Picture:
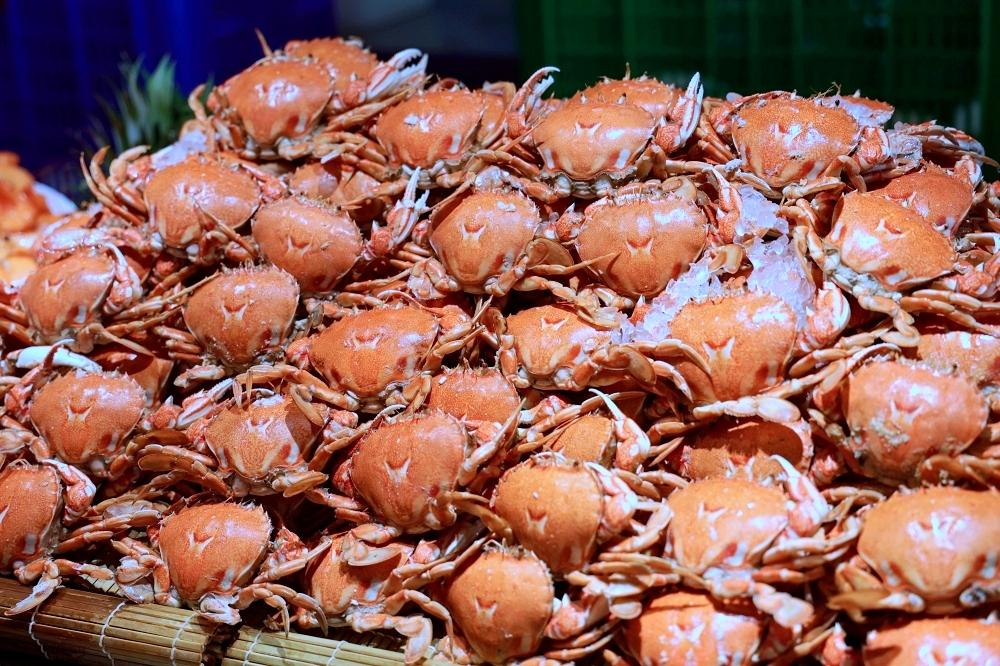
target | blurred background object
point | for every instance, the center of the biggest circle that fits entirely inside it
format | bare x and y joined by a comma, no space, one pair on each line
58,56
929,58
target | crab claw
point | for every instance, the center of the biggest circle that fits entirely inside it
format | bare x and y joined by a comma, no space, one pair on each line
683,117
688,108
634,442
32,357
400,69
521,106
810,506
399,221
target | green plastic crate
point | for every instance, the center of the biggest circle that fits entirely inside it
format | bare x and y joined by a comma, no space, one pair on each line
930,59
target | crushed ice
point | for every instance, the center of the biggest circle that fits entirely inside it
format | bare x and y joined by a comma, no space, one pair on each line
776,271
191,142
757,215
697,283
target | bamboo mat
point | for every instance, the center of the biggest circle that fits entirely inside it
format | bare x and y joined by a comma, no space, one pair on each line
94,629
255,647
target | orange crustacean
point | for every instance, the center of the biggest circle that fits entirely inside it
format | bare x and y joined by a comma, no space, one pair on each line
290,104
373,355
530,498
737,340
39,503
368,596
736,538
938,639
925,551
587,147
361,82
435,134
320,244
71,297
797,147
239,558
639,238
410,470
517,591
260,443
84,418
879,249
906,420
229,322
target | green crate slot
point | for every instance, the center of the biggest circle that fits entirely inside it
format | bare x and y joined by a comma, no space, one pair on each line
930,59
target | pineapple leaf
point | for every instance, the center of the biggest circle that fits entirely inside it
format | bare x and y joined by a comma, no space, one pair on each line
145,108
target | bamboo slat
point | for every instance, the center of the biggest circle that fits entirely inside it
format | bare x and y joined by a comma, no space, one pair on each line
97,629
257,647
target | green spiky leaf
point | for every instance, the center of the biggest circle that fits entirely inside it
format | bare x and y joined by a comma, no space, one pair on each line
145,108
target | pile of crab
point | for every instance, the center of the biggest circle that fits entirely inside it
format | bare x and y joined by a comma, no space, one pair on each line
640,375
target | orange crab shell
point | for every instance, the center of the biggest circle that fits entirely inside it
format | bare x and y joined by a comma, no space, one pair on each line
337,585
401,467
280,98
590,438
184,198
532,498
315,244
586,140
867,111
551,340
366,352
935,542
346,59
270,434
747,340
881,238
744,447
67,294
719,521
692,628
900,414
942,200
431,127
30,504
502,601
151,372
86,417
213,548
482,235
480,395
935,641
656,98
654,240
239,316
340,184
973,354
786,139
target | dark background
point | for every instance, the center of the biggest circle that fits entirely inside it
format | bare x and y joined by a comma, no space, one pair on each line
931,58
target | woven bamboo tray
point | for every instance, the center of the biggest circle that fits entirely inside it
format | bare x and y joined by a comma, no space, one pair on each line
94,629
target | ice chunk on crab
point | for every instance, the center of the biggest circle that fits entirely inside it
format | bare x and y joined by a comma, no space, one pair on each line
191,142
697,283
757,215
776,270
743,336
